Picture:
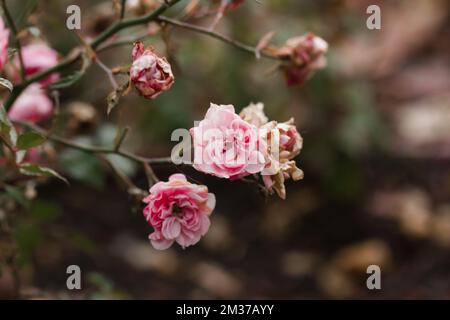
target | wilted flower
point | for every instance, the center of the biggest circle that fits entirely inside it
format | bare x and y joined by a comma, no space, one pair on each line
284,143
150,74
227,146
254,114
178,211
32,105
38,57
4,40
305,54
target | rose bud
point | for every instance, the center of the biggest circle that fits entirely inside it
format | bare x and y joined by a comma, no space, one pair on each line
150,74
4,38
37,58
304,55
32,105
178,211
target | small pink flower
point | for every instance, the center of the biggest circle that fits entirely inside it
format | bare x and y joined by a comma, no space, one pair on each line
178,211
306,55
38,57
227,146
32,105
150,74
4,40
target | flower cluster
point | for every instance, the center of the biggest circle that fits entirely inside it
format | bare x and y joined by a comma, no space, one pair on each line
150,74
230,146
233,146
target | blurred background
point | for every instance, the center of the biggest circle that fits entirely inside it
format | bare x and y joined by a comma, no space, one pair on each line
376,157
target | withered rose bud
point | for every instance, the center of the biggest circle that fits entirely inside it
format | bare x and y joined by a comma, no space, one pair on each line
287,170
254,114
150,74
305,54
284,144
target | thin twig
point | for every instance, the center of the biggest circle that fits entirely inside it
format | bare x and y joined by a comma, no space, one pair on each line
13,28
109,73
123,4
94,149
216,35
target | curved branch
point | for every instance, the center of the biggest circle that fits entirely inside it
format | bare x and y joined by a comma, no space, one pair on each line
221,37
94,149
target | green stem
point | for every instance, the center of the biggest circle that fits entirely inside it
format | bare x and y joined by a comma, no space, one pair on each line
13,28
94,149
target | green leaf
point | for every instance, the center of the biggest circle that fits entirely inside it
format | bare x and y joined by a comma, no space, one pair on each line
37,171
29,140
7,130
6,83
113,98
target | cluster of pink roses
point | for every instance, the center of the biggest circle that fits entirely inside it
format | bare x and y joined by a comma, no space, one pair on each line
232,146
226,145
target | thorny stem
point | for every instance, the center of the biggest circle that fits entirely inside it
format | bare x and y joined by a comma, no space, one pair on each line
209,32
13,28
95,149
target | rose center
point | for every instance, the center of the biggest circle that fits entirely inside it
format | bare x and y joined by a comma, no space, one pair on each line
177,211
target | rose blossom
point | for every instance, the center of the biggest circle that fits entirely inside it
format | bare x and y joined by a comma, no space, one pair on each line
227,146
38,57
32,105
306,54
4,39
150,74
178,211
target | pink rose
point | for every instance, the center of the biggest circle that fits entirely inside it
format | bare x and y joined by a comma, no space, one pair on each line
306,54
32,105
150,74
227,146
4,39
178,211
37,58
